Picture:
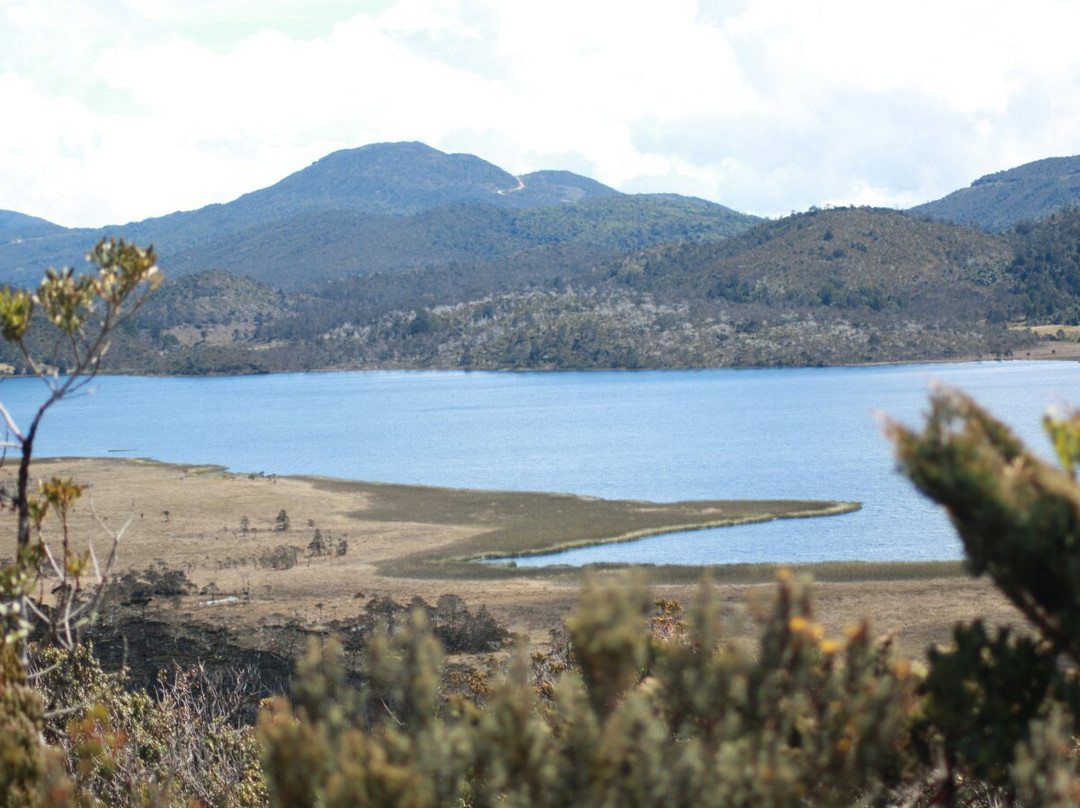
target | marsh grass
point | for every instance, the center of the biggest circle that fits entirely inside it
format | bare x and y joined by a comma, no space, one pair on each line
687,575
516,524
825,572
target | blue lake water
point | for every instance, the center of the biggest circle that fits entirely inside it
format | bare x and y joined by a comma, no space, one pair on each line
656,435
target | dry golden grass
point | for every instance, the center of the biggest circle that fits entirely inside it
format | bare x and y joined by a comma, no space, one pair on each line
406,540
1065,332
1056,342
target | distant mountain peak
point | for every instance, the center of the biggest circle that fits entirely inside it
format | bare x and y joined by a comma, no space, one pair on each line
396,204
394,178
563,187
1047,168
15,225
394,146
1003,199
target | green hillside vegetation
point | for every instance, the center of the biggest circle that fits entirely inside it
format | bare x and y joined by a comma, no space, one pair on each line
317,248
1004,199
14,226
621,329
1044,275
305,250
389,207
623,223
854,258
824,287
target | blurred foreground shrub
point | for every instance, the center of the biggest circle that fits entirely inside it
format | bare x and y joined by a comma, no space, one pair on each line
691,720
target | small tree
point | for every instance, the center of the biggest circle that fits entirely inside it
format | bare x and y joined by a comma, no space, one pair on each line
318,546
281,521
84,311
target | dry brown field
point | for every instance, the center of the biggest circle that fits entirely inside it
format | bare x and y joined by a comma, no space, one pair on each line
405,541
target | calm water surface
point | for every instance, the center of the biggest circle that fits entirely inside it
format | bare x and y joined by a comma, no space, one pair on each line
656,435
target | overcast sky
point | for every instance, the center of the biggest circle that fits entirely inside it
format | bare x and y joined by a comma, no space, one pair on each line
117,110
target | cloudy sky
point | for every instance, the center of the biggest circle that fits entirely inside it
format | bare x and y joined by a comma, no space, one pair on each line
117,110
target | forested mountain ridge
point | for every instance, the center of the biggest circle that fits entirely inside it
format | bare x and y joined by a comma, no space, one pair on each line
845,258
474,267
1004,199
834,286
381,207
15,226
1044,273
319,247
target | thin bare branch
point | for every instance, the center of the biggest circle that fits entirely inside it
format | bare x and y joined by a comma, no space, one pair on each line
10,426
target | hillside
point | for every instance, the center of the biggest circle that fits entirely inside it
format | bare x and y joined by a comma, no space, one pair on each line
315,248
390,206
825,287
15,226
397,255
543,188
852,258
1044,274
1002,200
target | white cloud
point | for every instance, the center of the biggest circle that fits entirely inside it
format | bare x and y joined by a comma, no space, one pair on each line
132,108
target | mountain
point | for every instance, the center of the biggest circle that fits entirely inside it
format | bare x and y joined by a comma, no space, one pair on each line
397,255
383,178
845,258
14,226
542,188
1002,200
310,249
398,179
825,287
1044,274
388,207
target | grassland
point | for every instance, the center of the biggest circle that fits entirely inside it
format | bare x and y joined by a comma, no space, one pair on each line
1056,342
223,530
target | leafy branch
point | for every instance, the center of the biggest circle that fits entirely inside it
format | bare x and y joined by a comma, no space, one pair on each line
84,312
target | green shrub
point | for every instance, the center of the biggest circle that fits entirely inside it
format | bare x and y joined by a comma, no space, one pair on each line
993,702
633,720
22,757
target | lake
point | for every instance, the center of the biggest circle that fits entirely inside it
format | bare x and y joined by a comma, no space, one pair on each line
653,435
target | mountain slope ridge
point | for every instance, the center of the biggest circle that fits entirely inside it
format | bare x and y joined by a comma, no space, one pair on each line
1004,199
389,180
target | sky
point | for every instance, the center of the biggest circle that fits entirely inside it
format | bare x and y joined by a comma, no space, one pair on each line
118,110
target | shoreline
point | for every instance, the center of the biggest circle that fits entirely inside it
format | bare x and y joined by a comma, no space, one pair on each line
1070,353
498,524
221,530
833,509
